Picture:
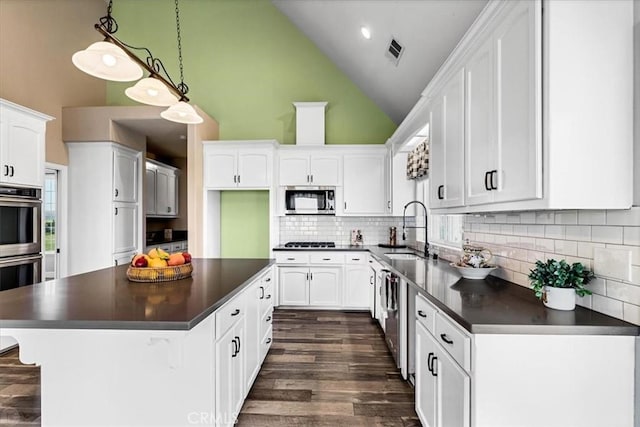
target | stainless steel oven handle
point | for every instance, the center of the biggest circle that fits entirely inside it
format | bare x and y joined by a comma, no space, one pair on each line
20,260
19,201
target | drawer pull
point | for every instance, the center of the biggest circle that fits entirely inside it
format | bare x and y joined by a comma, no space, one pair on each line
235,313
355,259
269,319
422,314
268,340
268,296
268,279
326,259
291,259
446,339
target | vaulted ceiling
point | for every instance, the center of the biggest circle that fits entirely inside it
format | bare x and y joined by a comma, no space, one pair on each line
427,30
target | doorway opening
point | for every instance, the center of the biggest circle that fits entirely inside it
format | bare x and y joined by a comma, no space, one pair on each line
53,214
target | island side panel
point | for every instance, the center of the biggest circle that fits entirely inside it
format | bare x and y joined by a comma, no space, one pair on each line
123,377
556,380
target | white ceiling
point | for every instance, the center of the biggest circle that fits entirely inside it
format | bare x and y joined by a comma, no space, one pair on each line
428,30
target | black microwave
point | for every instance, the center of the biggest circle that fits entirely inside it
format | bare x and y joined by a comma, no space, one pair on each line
310,200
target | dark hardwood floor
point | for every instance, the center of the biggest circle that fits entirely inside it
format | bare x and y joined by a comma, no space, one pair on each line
328,368
325,368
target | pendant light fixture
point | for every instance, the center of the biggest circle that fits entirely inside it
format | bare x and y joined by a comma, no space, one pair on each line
113,59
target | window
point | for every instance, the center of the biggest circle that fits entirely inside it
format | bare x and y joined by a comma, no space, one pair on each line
446,230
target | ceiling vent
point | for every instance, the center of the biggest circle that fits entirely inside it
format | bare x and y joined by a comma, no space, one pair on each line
394,51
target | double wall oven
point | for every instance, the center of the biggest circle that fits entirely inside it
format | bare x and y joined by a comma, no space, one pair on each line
20,237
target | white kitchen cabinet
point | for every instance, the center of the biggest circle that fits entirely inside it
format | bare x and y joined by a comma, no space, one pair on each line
446,168
443,387
357,289
230,374
403,189
365,184
237,165
315,286
105,225
166,192
22,145
150,191
325,286
125,176
503,144
304,167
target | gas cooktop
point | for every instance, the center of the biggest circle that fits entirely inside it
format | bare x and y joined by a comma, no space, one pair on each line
310,245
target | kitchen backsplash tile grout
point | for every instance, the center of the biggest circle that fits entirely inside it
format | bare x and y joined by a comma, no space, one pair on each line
518,239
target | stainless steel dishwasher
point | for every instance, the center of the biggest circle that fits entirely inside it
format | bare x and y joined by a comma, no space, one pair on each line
390,306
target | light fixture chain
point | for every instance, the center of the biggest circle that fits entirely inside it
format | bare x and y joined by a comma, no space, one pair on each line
179,44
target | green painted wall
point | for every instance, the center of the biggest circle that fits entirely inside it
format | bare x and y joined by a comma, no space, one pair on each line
244,224
245,64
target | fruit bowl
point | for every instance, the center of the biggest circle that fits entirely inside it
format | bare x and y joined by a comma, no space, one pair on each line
474,273
159,274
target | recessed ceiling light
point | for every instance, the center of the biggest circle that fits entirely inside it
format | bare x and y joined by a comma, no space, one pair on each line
365,33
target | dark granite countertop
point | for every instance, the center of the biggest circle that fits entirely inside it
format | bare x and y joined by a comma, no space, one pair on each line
492,305
106,299
157,237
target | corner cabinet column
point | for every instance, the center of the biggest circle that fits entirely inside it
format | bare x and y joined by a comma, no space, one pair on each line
104,205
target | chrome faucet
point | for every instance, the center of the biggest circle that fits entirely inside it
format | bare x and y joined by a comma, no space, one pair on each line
404,226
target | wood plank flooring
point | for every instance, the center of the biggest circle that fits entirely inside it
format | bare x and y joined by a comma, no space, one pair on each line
328,368
325,368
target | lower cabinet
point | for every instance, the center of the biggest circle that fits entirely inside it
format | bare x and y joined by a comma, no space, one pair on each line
230,373
316,286
259,310
357,286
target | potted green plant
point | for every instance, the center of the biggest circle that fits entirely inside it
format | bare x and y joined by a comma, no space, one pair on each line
557,283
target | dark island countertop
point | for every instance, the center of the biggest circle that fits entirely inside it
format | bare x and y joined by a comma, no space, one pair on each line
492,305
106,299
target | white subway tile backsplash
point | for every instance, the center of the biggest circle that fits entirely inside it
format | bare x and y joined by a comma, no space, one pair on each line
612,263
606,234
567,217
506,229
545,245
520,230
527,217
521,279
544,217
500,218
585,249
623,292
631,236
513,218
631,313
578,232
585,301
597,286
592,217
566,247
609,306
554,231
635,252
533,256
535,230
527,242
624,217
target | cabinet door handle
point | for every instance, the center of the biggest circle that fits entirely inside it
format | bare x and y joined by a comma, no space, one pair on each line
429,362
116,192
116,211
421,313
169,209
238,338
269,319
371,280
6,170
312,178
446,339
238,179
494,174
345,206
311,276
235,313
235,179
268,340
307,276
308,180
11,167
434,371
235,348
440,192
487,186
261,292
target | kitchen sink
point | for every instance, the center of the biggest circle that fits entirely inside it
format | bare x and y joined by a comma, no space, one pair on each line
403,255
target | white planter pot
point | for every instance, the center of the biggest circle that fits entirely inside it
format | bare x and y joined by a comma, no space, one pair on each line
559,298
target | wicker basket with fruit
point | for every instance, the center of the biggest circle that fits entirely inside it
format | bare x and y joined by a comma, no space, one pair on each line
159,266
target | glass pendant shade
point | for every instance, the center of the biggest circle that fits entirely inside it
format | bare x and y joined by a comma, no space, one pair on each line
151,91
107,61
182,112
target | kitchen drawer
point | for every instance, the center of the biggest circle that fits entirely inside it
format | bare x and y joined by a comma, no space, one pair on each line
352,258
266,321
426,313
454,341
292,257
177,247
266,297
265,343
326,258
229,314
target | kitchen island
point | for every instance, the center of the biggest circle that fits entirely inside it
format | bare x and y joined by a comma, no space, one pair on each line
115,352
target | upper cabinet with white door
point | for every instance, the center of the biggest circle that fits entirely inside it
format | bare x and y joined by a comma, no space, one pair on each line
300,166
238,164
22,140
570,68
365,189
161,190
